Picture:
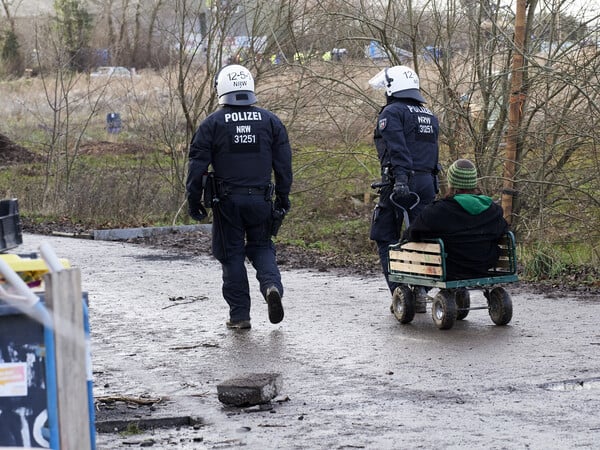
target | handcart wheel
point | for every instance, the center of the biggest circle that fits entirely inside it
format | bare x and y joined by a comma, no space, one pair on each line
403,304
463,303
443,309
500,306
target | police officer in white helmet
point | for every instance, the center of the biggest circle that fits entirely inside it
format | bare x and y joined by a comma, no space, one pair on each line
245,145
406,138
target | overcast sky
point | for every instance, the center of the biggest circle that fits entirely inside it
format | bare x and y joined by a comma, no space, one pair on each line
586,9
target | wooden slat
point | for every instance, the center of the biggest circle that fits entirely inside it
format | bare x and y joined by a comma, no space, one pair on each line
430,247
64,299
397,266
413,257
396,254
504,262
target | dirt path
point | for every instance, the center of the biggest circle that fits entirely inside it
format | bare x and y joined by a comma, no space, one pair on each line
353,377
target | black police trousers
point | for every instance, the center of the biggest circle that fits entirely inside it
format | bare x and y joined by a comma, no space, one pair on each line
242,228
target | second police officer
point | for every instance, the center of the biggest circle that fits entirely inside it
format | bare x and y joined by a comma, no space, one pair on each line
406,139
245,145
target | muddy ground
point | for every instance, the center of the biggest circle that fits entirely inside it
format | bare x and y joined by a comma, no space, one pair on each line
353,377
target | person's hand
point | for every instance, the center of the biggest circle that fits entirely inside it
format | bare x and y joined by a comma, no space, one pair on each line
401,190
196,211
282,201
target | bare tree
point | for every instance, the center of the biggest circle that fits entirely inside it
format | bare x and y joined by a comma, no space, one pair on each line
10,50
462,50
467,78
65,125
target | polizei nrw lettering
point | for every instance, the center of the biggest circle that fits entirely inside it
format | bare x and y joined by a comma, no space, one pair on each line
242,116
419,109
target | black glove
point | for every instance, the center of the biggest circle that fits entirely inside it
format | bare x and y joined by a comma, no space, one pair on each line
276,220
196,211
282,201
401,190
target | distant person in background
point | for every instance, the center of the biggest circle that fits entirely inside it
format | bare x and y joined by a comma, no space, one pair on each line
406,138
469,223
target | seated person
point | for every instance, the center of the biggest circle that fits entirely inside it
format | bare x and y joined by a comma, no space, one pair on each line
469,223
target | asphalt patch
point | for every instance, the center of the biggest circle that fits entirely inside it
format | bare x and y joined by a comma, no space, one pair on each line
115,415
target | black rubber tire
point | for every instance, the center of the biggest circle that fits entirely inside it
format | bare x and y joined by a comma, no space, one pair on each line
500,306
403,304
463,303
443,309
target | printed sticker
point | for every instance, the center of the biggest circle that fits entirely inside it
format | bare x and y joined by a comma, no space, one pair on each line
13,379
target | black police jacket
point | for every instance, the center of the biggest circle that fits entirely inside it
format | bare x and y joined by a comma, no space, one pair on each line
470,238
244,145
406,138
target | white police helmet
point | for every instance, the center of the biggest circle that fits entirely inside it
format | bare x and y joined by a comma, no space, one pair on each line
398,82
235,86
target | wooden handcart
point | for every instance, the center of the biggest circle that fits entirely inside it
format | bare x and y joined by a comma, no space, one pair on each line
423,264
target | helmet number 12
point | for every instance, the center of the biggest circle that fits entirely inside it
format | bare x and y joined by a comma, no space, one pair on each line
237,76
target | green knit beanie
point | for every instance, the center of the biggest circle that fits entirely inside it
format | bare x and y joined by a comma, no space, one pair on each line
462,174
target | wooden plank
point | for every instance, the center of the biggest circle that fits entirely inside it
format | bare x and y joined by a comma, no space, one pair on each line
430,247
428,258
503,262
415,268
396,254
64,299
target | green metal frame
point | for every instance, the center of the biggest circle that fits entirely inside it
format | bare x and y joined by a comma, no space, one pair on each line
440,282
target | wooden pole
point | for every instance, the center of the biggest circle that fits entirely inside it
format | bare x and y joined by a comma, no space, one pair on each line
64,299
515,111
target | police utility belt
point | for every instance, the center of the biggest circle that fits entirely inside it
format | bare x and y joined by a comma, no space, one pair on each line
388,179
245,190
214,190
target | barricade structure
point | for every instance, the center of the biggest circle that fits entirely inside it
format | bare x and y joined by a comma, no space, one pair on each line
46,396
